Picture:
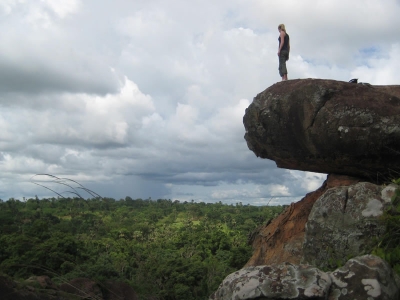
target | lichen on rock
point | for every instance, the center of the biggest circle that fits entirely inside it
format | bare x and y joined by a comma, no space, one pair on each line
366,277
284,281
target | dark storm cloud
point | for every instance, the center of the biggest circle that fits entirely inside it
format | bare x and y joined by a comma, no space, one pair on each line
42,79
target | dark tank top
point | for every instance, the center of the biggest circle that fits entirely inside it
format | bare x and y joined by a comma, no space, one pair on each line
286,43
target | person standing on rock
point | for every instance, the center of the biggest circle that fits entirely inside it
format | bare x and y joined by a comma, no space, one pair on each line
283,51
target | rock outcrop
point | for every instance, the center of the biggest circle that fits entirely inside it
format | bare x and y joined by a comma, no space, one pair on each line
339,220
366,277
351,132
327,126
282,239
284,281
345,222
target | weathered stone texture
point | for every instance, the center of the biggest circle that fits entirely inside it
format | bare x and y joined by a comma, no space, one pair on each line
351,132
344,222
366,277
361,278
282,239
284,281
327,126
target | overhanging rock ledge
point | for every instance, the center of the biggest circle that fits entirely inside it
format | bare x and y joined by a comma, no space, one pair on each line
327,126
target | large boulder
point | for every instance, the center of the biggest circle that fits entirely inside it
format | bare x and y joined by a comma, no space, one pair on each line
345,222
284,281
282,239
327,126
367,277
338,221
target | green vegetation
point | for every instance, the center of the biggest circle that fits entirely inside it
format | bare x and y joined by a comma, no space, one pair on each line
389,246
164,249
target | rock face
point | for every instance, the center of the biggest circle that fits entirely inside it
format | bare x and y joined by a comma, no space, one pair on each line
284,281
339,220
367,277
351,132
344,222
282,240
327,126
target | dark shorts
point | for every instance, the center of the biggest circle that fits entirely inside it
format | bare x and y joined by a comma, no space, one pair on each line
283,57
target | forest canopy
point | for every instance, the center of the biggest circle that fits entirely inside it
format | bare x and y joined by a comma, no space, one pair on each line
164,249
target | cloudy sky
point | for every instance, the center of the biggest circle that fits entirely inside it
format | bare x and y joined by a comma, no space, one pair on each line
145,98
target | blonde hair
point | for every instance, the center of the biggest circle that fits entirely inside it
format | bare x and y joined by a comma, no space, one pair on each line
282,27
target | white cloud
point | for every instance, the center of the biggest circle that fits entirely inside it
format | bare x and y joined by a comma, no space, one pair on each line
8,5
145,23
146,98
63,8
380,70
307,181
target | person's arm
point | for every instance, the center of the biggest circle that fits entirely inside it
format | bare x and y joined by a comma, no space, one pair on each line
288,47
282,36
